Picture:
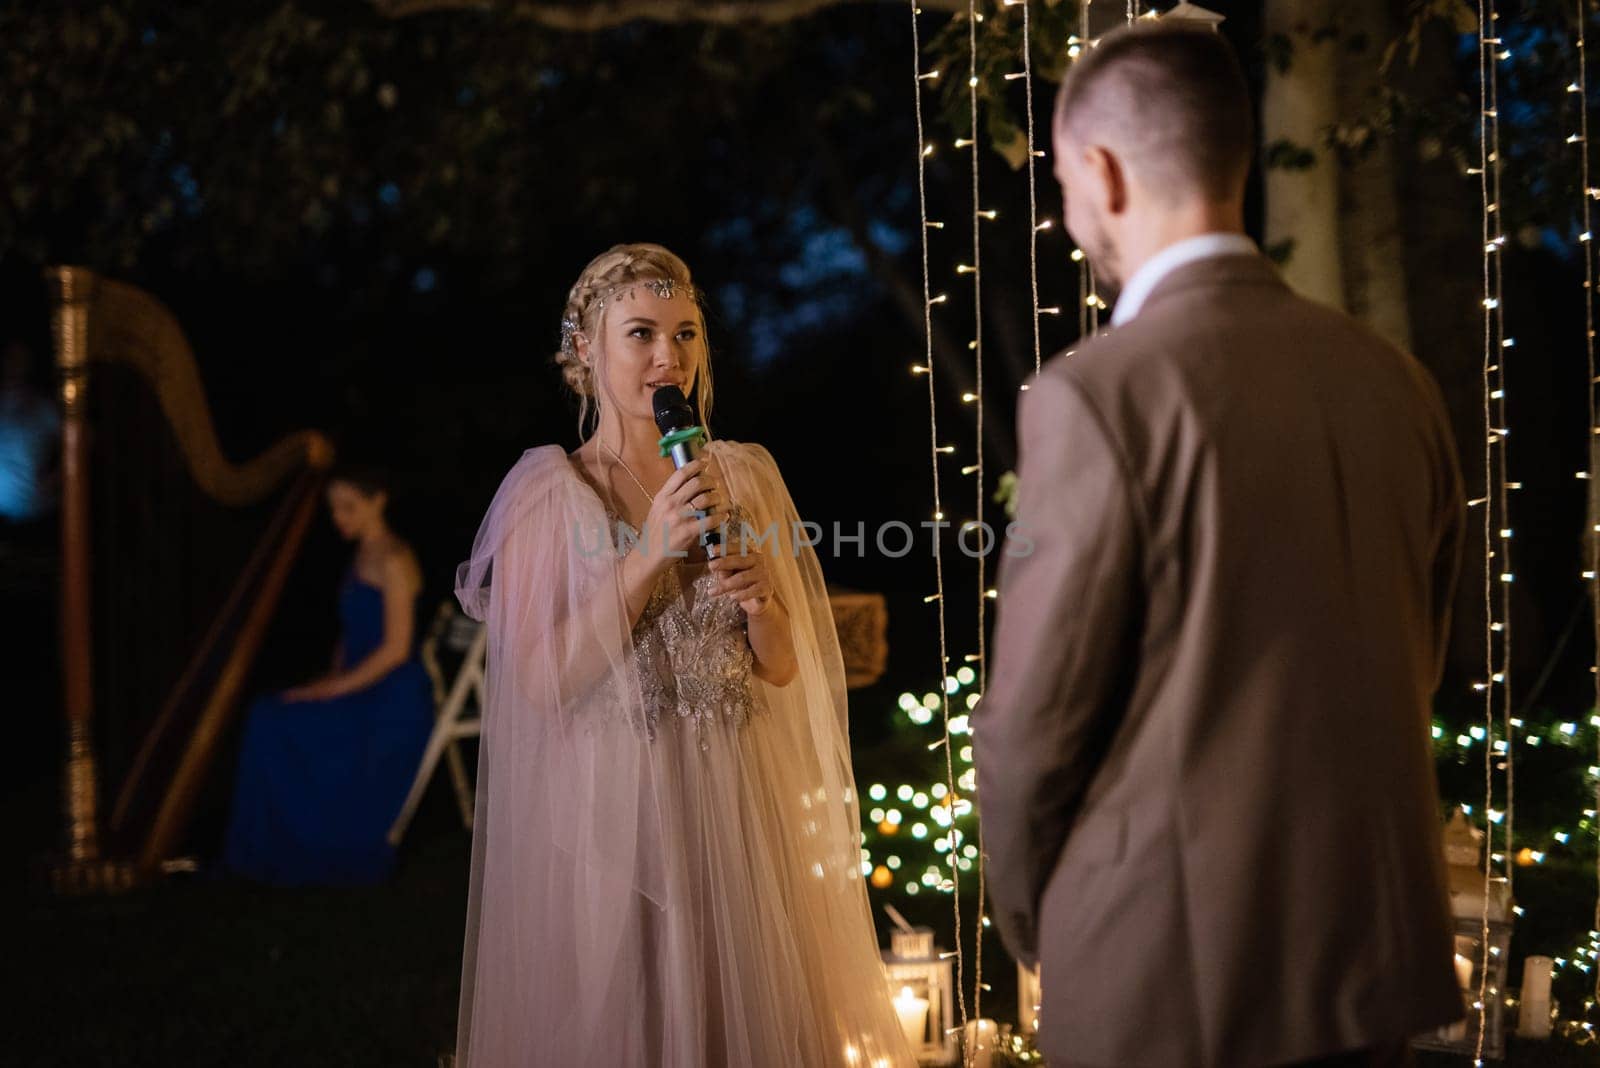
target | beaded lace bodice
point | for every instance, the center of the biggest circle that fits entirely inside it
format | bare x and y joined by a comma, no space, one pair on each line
690,648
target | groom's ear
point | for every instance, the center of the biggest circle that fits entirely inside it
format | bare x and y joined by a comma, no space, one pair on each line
1108,177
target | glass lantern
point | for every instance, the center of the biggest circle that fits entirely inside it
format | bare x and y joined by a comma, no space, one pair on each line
922,989
1462,1036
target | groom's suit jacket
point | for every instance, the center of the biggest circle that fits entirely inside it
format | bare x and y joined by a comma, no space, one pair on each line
1204,758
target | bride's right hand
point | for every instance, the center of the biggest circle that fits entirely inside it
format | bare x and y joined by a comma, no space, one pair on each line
696,486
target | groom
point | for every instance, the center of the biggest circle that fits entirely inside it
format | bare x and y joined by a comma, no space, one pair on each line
1204,760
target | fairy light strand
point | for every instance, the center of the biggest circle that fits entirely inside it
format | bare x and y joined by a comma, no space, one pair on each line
1088,310
1503,349
1033,197
1085,272
1083,296
1489,306
928,301
1033,289
1091,295
977,388
978,215
1586,246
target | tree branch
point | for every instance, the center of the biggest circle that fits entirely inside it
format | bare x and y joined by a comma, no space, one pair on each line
906,294
605,14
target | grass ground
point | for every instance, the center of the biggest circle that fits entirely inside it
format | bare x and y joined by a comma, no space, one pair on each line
199,972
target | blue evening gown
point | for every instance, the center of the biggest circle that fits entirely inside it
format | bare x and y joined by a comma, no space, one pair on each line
320,782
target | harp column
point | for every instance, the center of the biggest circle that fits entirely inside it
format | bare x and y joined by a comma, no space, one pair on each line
81,869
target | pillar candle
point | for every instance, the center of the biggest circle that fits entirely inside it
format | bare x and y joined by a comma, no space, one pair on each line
913,1013
982,1038
1533,1017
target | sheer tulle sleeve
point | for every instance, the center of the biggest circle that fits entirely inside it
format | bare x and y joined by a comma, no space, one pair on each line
565,851
814,704
811,783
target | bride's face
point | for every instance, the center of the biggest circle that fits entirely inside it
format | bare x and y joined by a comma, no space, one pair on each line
646,342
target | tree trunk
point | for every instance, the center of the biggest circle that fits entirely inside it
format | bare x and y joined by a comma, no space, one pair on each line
1369,203
1302,176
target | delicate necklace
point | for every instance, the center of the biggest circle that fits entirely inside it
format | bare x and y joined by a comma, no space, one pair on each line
650,496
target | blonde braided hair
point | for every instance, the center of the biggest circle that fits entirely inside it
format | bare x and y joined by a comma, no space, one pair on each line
615,270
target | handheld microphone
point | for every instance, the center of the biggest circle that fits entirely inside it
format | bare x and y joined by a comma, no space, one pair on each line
682,438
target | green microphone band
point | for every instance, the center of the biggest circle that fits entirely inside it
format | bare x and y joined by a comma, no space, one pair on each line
678,437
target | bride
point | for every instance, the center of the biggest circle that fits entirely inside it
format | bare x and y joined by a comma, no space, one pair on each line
666,853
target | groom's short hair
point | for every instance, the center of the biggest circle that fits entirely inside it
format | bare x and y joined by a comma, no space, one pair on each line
1172,100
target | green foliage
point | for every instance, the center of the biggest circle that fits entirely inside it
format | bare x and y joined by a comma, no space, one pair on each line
267,139
1288,156
1431,116
278,123
1006,494
1280,251
1052,33
1278,50
1535,62
1459,15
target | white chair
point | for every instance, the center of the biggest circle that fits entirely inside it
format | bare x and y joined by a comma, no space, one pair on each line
458,711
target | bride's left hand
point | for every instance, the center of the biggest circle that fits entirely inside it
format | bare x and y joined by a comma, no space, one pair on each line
744,576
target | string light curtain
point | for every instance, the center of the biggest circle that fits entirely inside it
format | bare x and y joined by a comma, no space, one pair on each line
1495,687
924,150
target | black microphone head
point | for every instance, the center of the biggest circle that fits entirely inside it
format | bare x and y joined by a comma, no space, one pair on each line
672,409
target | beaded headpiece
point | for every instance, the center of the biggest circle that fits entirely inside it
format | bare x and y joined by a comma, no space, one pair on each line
665,288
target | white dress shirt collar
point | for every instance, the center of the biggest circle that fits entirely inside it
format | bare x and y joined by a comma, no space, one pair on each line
1169,259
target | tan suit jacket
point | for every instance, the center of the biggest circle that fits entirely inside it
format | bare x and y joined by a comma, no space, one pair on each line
1204,761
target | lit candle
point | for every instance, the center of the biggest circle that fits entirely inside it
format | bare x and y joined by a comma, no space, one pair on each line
1457,1032
983,1037
913,1013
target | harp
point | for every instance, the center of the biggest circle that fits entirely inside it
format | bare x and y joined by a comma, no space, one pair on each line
173,561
